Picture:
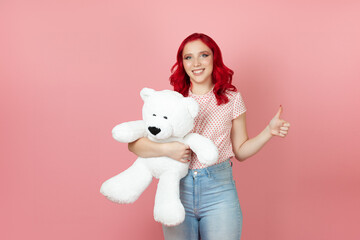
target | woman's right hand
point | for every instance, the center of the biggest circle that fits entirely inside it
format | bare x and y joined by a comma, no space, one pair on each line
177,151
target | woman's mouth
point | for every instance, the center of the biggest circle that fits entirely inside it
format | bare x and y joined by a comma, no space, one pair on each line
198,72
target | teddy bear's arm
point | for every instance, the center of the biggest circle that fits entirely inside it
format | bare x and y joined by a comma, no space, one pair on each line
204,148
129,131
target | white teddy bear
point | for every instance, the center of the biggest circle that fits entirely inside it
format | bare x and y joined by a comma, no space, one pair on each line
167,117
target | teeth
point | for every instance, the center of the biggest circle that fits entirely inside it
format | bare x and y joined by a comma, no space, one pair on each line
198,71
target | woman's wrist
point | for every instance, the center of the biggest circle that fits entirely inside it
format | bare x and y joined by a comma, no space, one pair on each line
164,149
268,132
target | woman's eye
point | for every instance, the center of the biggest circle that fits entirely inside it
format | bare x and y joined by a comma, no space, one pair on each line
154,115
165,117
187,58
205,55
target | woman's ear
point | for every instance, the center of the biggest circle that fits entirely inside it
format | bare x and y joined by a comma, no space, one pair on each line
146,92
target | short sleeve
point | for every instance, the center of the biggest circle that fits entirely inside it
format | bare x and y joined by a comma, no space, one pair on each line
239,106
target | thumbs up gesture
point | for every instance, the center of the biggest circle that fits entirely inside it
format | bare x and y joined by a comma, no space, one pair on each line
279,127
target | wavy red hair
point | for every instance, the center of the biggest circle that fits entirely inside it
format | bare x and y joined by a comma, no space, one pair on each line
221,75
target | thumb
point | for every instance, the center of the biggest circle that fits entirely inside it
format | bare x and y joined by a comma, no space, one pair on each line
279,112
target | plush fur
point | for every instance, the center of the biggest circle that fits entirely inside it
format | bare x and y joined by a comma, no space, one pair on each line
167,117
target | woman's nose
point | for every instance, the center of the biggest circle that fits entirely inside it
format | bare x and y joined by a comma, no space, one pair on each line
196,63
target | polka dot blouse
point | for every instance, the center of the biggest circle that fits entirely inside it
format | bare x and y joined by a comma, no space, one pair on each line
214,122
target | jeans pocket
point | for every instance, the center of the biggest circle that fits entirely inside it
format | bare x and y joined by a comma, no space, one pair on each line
223,177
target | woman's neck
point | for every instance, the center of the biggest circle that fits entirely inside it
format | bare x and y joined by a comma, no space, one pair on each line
201,89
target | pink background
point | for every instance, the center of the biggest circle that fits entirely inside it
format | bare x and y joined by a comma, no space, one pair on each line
71,70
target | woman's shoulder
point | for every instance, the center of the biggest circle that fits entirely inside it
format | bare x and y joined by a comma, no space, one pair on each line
232,95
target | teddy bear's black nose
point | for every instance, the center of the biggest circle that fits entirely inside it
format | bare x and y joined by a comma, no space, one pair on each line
154,130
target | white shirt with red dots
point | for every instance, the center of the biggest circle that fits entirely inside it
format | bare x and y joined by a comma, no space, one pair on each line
215,122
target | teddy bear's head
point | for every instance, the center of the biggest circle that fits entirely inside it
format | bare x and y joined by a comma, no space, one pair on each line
167,113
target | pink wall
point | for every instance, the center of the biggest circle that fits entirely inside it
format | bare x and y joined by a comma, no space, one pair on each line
71,70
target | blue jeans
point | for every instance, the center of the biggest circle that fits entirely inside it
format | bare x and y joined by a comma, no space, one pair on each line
211,203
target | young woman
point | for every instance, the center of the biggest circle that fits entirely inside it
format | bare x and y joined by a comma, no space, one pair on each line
208,193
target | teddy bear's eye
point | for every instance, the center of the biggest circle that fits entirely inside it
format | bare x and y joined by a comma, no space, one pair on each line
154,115
165,117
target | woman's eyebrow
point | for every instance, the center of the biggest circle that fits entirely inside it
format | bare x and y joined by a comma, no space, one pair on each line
199,52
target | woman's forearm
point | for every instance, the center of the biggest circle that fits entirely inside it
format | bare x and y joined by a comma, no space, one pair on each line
253,145
146,148
143,147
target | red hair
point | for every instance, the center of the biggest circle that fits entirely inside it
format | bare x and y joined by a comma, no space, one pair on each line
221,75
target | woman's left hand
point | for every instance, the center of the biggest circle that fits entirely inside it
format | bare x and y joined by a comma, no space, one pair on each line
279,127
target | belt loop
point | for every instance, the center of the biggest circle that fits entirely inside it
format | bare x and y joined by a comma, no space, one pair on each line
231,163
208,172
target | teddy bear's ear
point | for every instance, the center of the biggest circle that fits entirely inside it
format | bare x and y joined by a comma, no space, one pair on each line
192,106
146,92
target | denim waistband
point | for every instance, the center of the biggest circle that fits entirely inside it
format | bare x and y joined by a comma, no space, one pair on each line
211,169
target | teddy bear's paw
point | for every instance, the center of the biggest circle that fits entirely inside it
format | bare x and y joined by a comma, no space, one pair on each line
122,199
169,214
119,193
129,131
208,157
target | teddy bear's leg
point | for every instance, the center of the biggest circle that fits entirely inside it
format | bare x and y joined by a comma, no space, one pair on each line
127,186
168,208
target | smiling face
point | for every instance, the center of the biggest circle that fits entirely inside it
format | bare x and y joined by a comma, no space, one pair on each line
198,62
